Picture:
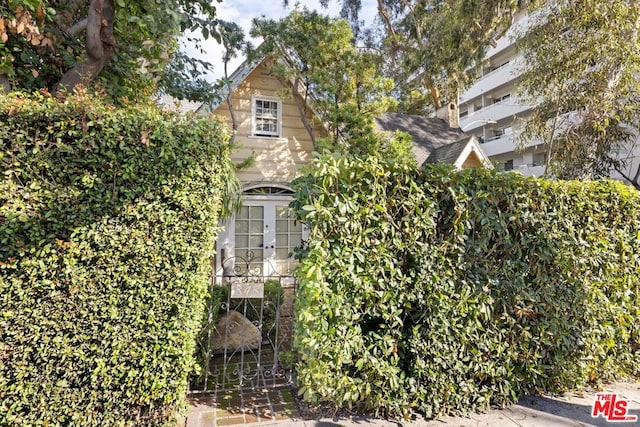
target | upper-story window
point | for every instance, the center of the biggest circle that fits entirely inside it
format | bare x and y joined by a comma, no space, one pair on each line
502,98
505,166
266,116
539,159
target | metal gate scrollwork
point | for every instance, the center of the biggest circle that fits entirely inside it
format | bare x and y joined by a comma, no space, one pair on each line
245,342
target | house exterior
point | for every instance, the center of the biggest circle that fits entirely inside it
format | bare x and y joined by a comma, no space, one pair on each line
263,233
260,238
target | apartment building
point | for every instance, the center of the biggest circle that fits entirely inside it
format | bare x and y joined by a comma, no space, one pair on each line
490,107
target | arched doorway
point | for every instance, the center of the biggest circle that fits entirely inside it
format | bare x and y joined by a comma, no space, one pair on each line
260,238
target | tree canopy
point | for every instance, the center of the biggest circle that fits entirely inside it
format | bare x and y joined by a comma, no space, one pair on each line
582,62
125,46
430,47
316,56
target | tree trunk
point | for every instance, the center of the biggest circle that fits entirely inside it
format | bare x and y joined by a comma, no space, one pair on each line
100,46
234,123
301,108
5,84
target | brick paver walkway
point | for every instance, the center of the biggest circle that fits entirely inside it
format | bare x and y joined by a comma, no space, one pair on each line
233,407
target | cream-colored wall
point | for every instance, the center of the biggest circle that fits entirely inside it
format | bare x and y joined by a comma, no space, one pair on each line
472,161
277,160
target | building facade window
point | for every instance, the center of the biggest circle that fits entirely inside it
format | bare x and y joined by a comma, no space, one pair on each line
266,117
502,98
539,159
505,166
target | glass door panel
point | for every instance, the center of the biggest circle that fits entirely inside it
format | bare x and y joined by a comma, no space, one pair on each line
249,240
288,237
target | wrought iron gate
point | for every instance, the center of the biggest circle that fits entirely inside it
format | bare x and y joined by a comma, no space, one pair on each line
247,336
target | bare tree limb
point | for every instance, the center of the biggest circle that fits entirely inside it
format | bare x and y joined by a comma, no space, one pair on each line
77,28
385,18
636,178
633,181
66,15
100,46
234,123
301,108
5,84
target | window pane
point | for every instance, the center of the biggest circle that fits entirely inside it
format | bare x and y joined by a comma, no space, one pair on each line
242,226
257,253
266,117
282,226
295,240
255,241
282,253
283,212
282,240
257,212
242,241
256,227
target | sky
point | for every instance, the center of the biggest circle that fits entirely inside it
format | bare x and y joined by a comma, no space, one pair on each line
243,11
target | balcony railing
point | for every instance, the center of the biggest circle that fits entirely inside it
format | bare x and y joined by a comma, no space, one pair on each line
507,108
490,81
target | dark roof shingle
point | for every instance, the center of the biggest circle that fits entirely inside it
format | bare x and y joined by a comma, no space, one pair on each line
430,134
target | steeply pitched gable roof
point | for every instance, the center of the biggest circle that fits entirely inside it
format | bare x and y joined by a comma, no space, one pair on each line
429,133
434,140
237,77
448,153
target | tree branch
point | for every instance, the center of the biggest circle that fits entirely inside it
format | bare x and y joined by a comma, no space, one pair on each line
100,46
301,108
65,17
633,181
234,123
77,28
385,18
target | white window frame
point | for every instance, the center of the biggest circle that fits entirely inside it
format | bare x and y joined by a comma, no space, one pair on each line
254,117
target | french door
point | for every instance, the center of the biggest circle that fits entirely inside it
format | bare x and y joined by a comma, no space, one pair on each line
265,234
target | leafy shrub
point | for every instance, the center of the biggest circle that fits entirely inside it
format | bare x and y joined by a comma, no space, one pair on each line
107,221
443,291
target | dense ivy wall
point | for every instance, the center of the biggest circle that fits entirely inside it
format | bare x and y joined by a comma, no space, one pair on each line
107,221
444,291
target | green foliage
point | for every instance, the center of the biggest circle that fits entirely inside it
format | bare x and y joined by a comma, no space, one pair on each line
107,222
443,291
588,101
50,42
342,83
430,47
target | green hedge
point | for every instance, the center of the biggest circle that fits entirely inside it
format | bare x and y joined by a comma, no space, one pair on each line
107,221
443,291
